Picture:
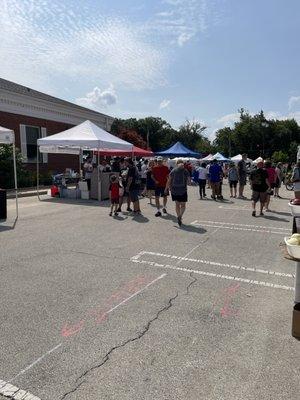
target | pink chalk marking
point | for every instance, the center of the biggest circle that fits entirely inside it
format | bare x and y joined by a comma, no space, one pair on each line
70,330
226,310
100,313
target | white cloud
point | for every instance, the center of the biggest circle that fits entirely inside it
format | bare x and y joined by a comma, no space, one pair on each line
98,99
228,119
43,39
164,104
293,100
183,20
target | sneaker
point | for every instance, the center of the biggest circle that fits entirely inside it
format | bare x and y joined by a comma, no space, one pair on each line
110,214
158,214
179,221
262,214
201,198
119,210
137,212
116,214
253,214
164,211
204,195
129,209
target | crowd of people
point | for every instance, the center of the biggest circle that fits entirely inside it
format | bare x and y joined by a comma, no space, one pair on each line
130,180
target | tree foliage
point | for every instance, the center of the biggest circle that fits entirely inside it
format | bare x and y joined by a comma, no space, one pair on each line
160,135
258,136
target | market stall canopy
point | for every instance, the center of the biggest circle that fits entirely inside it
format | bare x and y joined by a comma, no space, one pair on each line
239,157
86,135
259,159
7,136
178,150
210,157
219,157
136,152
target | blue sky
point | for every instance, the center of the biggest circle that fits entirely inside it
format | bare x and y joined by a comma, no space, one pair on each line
178,59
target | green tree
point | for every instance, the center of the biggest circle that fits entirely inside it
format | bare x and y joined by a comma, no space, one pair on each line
280,156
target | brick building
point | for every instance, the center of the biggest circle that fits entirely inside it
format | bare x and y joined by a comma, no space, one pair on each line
32,115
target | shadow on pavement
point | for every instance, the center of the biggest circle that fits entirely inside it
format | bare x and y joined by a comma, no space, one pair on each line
140,219
191,228
273,218
7,227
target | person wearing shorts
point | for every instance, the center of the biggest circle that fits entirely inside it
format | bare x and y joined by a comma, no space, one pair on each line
260,185
133,185
160,174
242,175
177,183
114,193
233,179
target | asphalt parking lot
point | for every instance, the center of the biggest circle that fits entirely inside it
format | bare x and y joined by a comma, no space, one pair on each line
99,307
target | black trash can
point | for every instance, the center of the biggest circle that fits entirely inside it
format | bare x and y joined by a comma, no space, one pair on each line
3,204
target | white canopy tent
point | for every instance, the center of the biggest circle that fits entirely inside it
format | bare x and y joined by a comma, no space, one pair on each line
85,136
7,136
207,158
259,159
239,157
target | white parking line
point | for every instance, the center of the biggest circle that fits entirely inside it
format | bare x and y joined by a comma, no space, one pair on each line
35,362
233,228
216,264
211,274
59,345
242,225
13,392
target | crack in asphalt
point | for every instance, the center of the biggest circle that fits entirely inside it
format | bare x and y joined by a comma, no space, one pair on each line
191,283
113,349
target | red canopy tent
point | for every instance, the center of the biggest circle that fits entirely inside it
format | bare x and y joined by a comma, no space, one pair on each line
136,152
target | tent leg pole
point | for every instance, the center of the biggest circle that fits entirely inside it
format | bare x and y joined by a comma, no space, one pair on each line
37,173
98,176
16,181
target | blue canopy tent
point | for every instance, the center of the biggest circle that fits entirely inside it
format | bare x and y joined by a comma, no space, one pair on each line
178,150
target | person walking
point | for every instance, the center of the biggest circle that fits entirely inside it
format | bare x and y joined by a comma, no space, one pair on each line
259,185
177,183
272,180
133,185
242,175
202,179
279,179
160,173
150,185
233,179
215,176
114,194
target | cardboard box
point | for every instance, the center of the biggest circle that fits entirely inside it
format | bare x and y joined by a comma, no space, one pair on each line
85,195
296,322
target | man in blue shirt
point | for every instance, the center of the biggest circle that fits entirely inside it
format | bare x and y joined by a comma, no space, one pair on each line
215,177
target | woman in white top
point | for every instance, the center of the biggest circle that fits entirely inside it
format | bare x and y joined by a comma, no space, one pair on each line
202,178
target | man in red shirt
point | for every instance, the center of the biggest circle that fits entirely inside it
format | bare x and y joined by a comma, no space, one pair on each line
160,174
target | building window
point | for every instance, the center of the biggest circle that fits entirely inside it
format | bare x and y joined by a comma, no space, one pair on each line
29,136
33,133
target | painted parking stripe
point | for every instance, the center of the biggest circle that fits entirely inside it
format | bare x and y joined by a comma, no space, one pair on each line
233,228
215,264
213,275
242,225
13,392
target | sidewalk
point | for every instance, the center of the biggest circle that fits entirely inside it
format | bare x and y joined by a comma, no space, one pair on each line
27,192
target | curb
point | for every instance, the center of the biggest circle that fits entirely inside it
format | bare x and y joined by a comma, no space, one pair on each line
31,193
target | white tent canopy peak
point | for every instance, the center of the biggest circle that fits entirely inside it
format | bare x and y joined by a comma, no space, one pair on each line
86,135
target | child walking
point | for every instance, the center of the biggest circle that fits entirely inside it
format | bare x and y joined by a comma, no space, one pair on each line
114,194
